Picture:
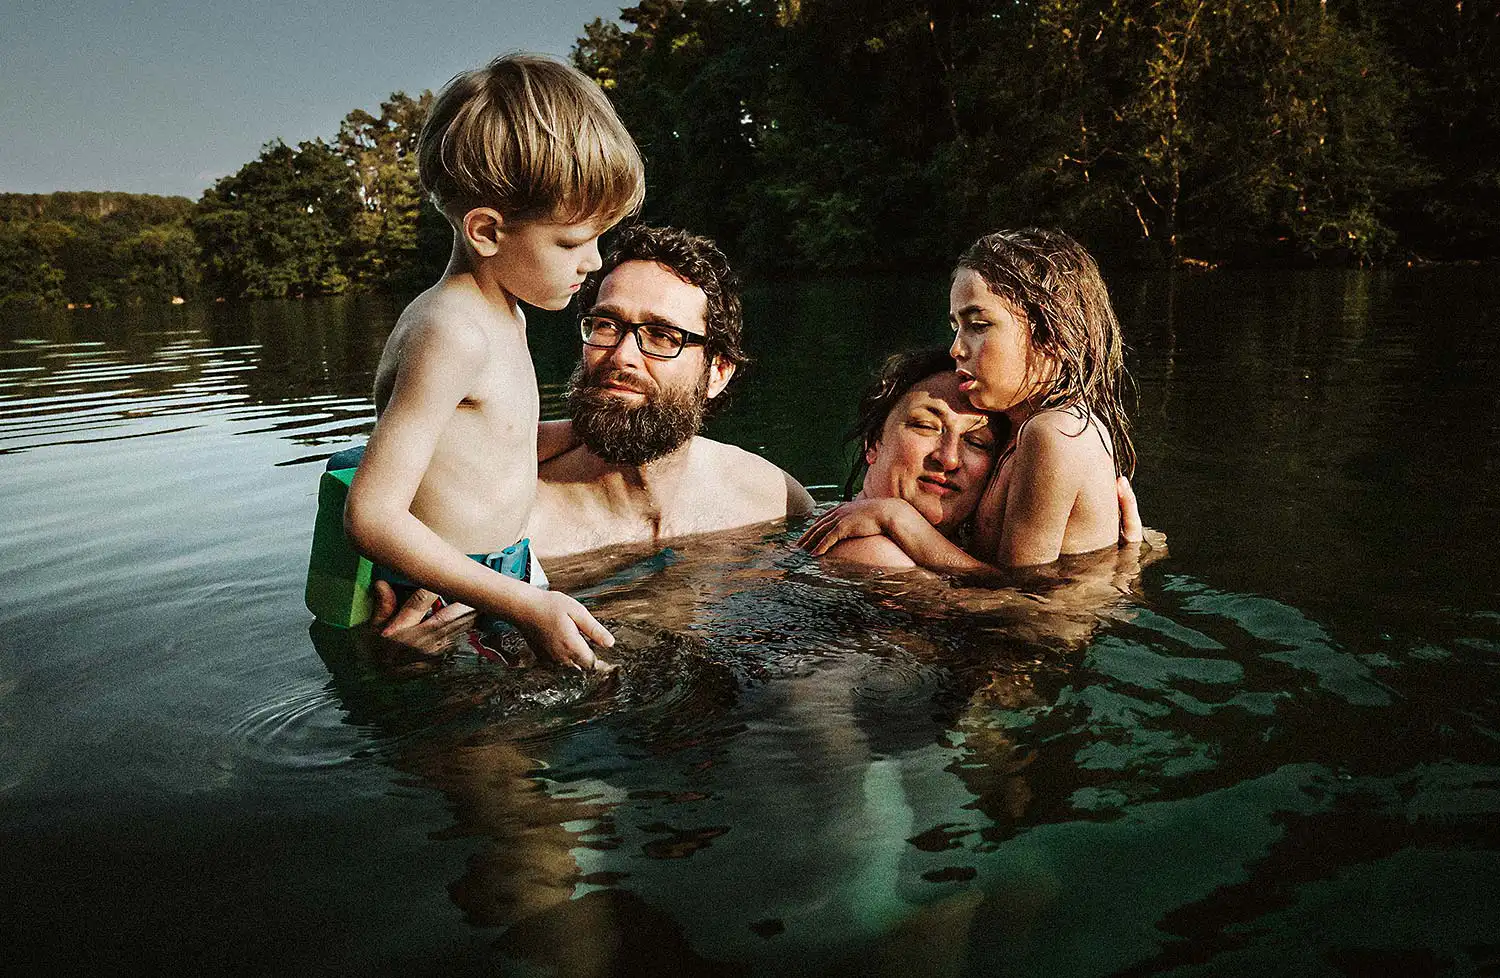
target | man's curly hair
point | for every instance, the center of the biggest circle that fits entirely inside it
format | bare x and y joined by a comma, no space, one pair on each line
697,261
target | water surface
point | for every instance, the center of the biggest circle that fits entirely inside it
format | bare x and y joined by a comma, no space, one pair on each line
1274,751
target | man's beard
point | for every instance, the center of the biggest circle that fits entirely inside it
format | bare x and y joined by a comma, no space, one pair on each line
634,434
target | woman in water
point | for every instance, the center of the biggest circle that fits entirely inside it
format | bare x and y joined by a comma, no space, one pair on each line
1037,343
921,444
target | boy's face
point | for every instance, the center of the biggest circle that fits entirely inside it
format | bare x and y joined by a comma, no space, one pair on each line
543,263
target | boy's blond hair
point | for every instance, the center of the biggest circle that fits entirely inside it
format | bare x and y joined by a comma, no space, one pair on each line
533,138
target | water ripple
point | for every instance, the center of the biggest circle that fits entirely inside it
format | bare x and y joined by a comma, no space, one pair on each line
57,393
297,726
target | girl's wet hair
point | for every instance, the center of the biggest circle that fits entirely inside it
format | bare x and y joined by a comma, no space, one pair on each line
1055,283
899,374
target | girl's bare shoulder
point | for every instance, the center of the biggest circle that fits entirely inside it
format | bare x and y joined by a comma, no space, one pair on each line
1064,435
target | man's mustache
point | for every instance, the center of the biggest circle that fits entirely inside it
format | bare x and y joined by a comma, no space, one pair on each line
638,382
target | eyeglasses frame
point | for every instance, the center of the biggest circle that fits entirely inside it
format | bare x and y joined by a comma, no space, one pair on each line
689,338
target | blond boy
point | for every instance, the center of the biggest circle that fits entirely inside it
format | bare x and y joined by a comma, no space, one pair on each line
530,164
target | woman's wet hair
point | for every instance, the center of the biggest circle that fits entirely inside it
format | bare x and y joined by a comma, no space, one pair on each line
1055,283
899,374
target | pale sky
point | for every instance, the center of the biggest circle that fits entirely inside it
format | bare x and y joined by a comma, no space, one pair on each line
164,97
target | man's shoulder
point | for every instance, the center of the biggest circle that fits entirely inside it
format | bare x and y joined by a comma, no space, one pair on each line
733,464
751,478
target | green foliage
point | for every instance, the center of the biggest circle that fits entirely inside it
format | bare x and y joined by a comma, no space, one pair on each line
315,219
281,226
836,135
382,246
95,249
841,134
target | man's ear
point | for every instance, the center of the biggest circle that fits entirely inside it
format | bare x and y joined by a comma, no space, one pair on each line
719,374
482,228
870,449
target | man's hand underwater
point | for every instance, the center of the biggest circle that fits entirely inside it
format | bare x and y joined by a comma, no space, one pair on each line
559,628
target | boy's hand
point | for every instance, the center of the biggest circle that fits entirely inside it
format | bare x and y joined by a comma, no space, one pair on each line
558,627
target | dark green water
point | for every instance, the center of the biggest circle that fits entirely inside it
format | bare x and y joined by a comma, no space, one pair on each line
1277,752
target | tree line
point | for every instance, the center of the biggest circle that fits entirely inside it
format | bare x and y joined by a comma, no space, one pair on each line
319,218
847,134
841,135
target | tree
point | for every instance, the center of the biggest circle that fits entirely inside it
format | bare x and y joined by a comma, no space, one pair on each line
381,153
280,226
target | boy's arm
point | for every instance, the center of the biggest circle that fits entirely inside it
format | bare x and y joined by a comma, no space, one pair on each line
438,367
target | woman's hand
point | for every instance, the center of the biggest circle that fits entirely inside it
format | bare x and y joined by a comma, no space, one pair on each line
856,518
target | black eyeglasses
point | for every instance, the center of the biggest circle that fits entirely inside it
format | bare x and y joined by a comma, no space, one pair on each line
654,339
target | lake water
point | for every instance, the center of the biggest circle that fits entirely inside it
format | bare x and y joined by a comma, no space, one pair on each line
1276,751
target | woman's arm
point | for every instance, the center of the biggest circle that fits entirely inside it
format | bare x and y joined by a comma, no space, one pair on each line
874,551
897,520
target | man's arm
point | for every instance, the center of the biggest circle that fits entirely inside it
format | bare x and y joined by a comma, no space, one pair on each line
554,438
438,367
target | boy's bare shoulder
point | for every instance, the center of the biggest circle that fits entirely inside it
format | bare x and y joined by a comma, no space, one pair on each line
444,318
753,479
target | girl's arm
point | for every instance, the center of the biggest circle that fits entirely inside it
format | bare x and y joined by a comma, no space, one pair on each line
1047,475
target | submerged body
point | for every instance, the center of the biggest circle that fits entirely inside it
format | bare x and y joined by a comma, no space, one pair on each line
585,503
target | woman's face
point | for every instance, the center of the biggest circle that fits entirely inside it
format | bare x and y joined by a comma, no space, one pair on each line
935,451
991,345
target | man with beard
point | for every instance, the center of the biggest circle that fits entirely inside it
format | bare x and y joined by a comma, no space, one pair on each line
661,333
661,337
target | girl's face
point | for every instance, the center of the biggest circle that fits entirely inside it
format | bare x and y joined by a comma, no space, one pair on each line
935,451
991,346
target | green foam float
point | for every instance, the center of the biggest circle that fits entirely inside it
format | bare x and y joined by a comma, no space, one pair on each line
338,578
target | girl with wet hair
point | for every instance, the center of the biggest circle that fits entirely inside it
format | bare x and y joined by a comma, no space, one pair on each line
1037,341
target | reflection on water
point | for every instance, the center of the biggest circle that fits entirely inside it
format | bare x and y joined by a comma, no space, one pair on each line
1274,750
